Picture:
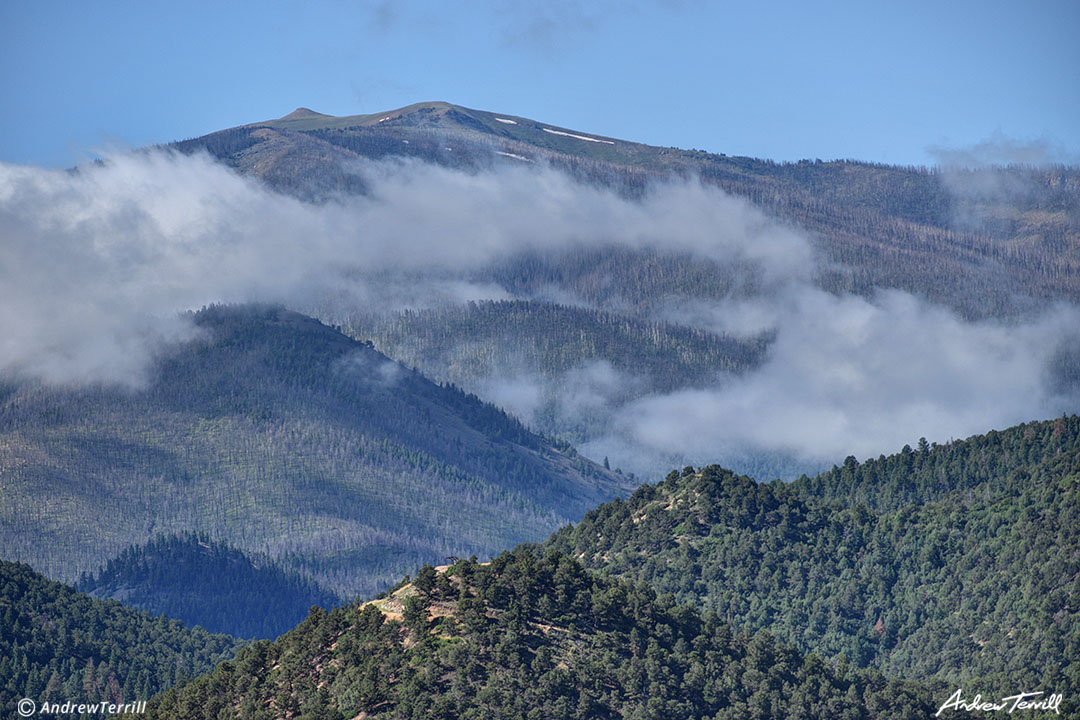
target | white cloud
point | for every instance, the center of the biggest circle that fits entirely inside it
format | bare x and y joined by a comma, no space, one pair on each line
96,264
848,375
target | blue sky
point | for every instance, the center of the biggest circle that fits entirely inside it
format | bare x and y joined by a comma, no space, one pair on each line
893,82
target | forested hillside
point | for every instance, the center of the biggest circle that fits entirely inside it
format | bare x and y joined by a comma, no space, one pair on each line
982,579
279,436
60,645
531,636
583,362
203,582
558,338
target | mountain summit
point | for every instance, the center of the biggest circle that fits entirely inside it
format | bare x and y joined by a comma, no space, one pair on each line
878,226
303,113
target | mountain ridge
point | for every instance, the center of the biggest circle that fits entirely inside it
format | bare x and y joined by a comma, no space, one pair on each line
206,583
280,436
912,588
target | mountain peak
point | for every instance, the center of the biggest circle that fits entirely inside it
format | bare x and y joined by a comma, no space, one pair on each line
303,112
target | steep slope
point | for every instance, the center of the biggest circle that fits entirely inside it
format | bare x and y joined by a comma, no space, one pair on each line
280,436
206,583
530,636
60,645
987,242
983,580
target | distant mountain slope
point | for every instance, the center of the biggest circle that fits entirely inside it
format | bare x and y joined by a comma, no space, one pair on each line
278,435
980,581
581,363
60,645
991,243
509,331
206,583
987,242
531,636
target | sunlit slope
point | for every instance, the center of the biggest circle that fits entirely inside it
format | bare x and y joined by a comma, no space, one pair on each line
969,568
531,636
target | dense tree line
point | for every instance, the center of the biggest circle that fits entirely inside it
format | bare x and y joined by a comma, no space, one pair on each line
982,466
60,645
531,635
979,580
200,581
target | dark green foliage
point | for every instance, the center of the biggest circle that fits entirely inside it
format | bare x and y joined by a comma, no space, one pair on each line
281,437
982,580
202,582
533,636
983,466
58,644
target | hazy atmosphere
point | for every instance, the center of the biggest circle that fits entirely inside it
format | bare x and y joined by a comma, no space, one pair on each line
110,255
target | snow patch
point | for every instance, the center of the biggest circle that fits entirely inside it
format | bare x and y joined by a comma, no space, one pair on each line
506,121
512,155
577,137
384,119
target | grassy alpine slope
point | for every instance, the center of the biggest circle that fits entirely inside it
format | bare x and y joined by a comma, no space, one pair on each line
945,235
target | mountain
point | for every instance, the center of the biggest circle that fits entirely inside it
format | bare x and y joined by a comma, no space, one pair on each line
60,645
279,436
203,582
651,317
530,635
967,571
798,607
988,242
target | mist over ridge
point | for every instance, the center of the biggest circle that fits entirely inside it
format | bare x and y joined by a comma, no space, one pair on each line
101,261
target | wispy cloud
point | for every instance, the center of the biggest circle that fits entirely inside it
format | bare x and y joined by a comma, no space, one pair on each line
95,266
1000,150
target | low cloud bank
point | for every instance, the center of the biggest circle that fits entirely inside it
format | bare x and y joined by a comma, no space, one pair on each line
96,265
848,375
